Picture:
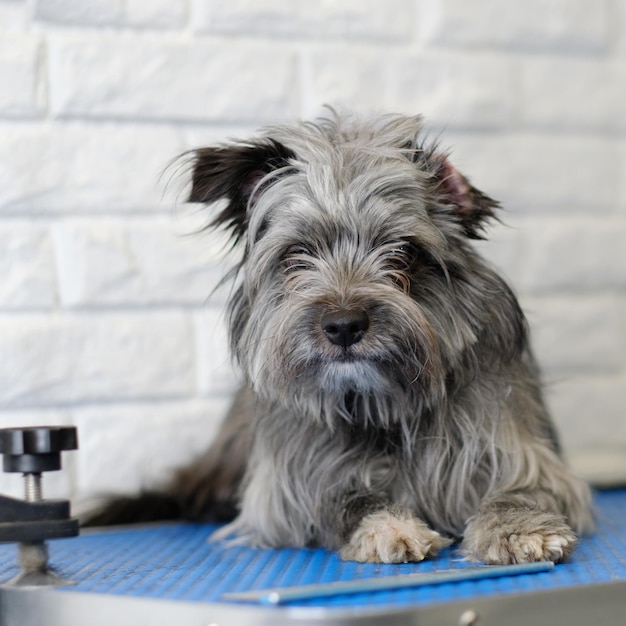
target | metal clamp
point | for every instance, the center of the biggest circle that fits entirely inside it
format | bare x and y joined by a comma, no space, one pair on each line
33,521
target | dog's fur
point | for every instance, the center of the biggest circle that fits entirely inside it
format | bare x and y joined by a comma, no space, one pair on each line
392,404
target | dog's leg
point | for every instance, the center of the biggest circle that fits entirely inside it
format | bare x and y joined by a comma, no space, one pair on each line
392,535
303,489
518,528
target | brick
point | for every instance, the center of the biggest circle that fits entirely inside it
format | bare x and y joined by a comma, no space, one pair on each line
619,7
27,267
94,12
345,77
621,173
22,95
349,19
589,414
577,94
589,411
386,21
55,484
156,13
577,334
128,447
65,359
216,374
81,166
565,173
575,255
13,17
474,91
245,16
196,135
133,262
622,305
195,426
152,78
566,26
535,173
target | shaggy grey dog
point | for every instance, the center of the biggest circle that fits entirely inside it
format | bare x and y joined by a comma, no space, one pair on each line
392,403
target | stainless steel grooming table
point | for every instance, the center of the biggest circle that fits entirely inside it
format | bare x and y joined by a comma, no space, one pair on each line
170,575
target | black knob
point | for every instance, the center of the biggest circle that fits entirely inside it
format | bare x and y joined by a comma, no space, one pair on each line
36,449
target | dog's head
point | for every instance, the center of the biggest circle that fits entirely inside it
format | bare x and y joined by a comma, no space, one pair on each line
357,275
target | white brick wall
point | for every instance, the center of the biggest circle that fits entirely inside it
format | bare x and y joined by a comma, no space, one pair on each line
105,320
545,26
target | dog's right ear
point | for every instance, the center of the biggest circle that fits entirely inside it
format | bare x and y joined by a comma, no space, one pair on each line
236,174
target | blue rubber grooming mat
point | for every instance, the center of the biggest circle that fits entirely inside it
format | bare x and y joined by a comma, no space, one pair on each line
176,562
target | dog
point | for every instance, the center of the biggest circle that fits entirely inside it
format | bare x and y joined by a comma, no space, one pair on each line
392,404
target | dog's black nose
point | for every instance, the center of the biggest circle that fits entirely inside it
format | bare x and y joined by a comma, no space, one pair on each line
345,327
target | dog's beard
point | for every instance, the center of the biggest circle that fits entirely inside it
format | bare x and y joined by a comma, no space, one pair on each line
346,376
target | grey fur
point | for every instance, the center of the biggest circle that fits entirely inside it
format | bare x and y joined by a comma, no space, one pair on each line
435,415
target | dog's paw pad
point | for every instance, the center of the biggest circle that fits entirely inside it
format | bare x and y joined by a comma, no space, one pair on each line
390,537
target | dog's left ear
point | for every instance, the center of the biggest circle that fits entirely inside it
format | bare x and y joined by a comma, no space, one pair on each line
235,173
471,206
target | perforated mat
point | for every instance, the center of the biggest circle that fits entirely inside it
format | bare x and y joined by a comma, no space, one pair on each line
176,562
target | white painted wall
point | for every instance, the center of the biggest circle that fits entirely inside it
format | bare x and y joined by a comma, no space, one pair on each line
104,318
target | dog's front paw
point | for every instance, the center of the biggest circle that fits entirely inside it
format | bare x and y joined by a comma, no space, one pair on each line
518,536
392,537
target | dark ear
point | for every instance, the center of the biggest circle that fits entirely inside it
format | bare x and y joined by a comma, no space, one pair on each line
233,173
472,207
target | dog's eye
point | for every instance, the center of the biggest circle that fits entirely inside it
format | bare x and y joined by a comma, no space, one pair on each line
402,257
399,261
297,257
298,249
